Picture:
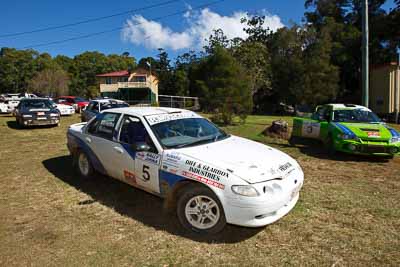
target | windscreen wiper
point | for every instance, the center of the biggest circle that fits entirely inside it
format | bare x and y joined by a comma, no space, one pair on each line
198,142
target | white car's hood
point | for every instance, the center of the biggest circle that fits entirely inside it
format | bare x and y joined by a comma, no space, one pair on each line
249,160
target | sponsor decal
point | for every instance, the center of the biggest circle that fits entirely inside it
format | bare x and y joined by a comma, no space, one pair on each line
373,134
149,157
203,179
158,118
206,170
172,160
129,176
285,166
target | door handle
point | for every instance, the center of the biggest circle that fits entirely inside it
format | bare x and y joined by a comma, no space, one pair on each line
119,150
88,140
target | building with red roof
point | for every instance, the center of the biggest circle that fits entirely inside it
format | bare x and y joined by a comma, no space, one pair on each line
135,87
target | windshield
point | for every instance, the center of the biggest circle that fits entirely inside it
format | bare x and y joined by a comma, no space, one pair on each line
37,104
187,132
355,115
109,105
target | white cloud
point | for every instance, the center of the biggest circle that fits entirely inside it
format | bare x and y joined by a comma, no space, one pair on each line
152,34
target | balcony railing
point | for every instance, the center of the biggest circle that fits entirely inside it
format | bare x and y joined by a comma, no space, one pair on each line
134,84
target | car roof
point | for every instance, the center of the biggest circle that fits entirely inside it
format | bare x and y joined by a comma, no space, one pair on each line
34,98
347,106
107,100
147,111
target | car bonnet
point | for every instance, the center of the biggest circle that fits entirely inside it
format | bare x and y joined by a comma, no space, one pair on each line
249,160
368,131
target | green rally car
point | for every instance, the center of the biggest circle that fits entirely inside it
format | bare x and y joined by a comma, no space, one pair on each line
348,128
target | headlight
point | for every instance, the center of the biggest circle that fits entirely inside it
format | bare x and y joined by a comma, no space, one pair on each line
395,135
27,116
54,115
245,190
347,136
395,140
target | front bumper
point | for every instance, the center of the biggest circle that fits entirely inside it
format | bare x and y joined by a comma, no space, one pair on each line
368,148
36,122
273,204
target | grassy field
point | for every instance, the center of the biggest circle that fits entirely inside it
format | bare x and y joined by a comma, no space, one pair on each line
348,213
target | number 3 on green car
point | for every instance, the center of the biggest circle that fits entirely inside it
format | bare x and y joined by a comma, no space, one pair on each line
348,128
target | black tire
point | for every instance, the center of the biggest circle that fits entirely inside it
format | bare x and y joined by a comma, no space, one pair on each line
293,140
79,156
20,124
329,146
186,199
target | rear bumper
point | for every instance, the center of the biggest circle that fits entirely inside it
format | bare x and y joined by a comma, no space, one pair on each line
67,112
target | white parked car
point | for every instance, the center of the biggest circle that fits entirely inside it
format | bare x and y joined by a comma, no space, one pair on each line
211,177
65,110
4,108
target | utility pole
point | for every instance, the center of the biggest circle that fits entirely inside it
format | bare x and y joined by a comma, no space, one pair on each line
365,54
397,88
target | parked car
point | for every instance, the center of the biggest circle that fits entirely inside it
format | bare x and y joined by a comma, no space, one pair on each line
65,110
98,105
210,177
4,107
348,128
77,102
36,111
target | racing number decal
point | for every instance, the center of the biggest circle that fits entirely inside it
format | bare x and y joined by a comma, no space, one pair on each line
310,129
147,165
146,174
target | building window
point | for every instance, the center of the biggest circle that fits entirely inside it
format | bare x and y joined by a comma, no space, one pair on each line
123,79
108,80
140,79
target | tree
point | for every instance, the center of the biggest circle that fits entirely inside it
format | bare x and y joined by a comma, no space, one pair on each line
223,86
17,67
321,78
52,82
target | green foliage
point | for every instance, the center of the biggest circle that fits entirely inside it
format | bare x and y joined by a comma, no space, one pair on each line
223,86
22,70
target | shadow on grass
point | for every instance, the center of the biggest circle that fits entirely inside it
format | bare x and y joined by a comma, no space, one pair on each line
14,125
137,204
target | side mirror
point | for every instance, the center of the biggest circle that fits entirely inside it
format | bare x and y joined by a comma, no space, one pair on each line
142,147
322,118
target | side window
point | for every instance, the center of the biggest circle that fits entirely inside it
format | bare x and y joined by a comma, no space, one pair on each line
104,125
90,106
69,100
133,132
320,114
95,107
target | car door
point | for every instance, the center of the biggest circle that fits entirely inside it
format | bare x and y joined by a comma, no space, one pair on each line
100,138
136,166
90,111
311,128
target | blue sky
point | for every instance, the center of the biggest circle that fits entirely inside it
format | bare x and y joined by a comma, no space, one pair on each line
178,33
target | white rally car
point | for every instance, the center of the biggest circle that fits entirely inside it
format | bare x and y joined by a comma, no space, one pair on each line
211,178
65,110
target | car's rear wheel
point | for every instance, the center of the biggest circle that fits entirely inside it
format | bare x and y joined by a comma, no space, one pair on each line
200,210
330,146
83,164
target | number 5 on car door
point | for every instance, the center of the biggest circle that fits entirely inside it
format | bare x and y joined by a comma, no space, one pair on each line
146,170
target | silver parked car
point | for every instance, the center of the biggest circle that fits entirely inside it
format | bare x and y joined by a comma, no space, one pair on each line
98,105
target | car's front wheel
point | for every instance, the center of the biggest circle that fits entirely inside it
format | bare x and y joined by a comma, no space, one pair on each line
200,210
83,164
